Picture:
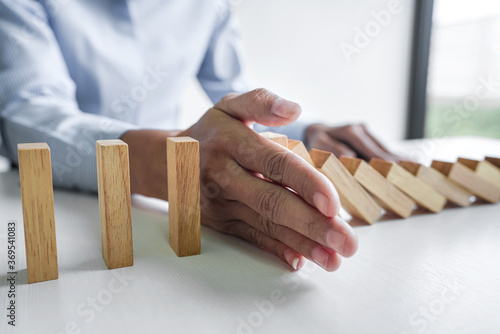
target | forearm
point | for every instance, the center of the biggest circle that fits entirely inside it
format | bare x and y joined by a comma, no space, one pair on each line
71,137
39,101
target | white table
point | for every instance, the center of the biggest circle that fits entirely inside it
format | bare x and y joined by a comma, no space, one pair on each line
431,273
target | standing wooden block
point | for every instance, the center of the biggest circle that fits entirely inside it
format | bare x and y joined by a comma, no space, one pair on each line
113,179
467,179
417,189
353,198
439,182
183,155
390,198
484,169
494,161
276,137
298,147
35,174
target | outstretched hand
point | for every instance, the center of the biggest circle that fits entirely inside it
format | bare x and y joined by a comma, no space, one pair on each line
236,201
246,181
350,140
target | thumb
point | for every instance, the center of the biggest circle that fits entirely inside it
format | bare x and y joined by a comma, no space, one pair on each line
260,106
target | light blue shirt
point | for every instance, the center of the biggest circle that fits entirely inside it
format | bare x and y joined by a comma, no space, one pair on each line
76,71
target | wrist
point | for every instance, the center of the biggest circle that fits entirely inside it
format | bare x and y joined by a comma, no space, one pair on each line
148,161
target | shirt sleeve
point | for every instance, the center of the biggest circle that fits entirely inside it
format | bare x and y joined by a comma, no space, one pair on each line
37,98
222,70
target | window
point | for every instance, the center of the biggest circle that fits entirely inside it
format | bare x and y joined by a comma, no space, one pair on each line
463,85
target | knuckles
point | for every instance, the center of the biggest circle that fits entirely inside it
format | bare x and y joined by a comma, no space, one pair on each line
225,98
269,204
267,227
276,164
256,238
311,228
351,130
262,96
227,227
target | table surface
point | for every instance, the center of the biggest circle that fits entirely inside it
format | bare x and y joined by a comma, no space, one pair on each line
431,273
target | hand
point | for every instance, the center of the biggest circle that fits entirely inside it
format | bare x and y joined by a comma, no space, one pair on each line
349,140
235,199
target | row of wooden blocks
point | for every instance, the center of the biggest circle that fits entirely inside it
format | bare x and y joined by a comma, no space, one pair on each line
113,177
365,188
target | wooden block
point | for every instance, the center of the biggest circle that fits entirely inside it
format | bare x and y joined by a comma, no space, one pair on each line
494,161
417,189
353,198
35,174
466,178
183,155
390,198
439,182
276,137
483,169
113,180
298,147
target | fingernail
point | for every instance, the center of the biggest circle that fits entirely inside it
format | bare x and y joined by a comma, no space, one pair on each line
300,264
283,108
340,221
322,204
321,257
336,240
350,247
291,258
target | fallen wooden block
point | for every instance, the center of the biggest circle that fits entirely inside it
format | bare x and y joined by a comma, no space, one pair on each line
417,189
183,170
483,169
35,174
439,182
276,137
494,161
113,180
298,147
353,198
389,197
469,180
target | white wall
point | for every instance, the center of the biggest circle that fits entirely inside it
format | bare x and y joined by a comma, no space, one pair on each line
293,47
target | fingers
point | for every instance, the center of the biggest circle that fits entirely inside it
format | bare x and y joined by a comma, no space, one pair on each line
356,137
244,231
326,258
277,163
283,207
326,143
260,106
382,147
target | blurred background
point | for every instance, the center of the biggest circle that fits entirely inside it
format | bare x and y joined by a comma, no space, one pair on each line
293,48
315,53
464,53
